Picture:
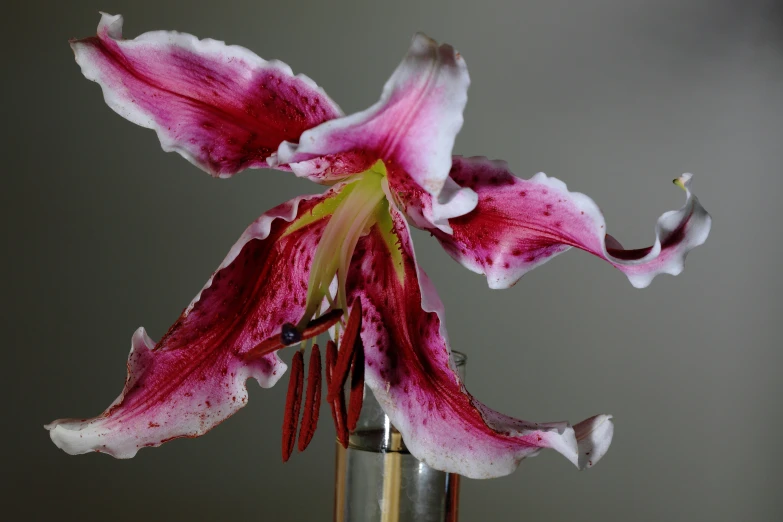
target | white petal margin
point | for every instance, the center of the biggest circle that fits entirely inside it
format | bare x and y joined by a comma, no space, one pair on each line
412,127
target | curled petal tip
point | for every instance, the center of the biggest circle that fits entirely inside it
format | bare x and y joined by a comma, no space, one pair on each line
111,24
421,37
593,438
684,181
64,439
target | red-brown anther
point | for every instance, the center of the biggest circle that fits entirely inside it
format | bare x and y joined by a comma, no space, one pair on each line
356,397
347,346
313,328
340,421
293,403
312,400
331,355
338,404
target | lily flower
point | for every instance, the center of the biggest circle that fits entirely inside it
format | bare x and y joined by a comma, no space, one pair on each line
343,260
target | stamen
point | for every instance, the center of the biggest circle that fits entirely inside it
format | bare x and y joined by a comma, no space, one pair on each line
338,404
293,403
331,355
347,346
321,324
356,397
312,400
313,329
339,420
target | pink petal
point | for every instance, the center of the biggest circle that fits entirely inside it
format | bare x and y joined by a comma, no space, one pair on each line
412,127
194,378
412,374
220,106
520,224
423,210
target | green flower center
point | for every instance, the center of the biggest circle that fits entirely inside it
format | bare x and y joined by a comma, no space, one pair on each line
356,208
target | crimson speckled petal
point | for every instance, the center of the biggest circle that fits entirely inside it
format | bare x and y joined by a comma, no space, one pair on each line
520,224
412,129
194,378
411,372
220,106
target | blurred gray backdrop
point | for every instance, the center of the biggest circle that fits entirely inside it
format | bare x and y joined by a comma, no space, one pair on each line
105,232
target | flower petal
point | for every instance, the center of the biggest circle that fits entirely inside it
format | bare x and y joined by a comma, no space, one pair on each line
411,372
520,224
412,127
424,211
194,378
220,106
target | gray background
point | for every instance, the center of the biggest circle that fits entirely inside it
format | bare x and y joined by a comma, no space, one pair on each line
105,232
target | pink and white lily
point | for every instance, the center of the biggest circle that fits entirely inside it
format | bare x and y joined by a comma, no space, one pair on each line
343,259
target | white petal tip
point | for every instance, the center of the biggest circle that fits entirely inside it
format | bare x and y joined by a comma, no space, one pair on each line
684,181
423,40
65,439
112,24
594,436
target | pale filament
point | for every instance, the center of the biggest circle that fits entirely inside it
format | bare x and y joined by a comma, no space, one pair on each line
354,215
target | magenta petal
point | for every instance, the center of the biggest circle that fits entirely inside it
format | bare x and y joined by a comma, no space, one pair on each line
520,224
411,372
194,378
412,127
220,106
